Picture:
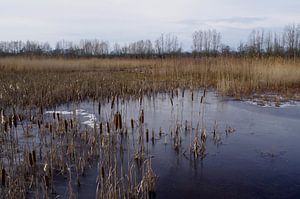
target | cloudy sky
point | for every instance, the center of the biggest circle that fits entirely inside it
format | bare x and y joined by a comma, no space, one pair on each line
130,20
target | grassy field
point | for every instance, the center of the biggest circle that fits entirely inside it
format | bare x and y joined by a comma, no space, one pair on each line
50,81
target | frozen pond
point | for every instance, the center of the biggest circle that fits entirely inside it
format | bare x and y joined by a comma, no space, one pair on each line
256,153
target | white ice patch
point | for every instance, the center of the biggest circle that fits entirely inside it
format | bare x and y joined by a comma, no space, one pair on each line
60,112
269,104
86,118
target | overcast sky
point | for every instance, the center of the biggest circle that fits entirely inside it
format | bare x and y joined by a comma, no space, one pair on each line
130,20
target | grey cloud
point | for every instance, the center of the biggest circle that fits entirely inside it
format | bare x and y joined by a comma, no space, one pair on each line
244,20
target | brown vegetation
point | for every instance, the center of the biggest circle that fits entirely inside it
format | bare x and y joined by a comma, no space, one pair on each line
49,81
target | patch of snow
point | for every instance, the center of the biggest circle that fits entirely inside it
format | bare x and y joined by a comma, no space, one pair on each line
87,118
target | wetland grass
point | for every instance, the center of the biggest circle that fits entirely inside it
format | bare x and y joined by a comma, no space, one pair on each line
39,147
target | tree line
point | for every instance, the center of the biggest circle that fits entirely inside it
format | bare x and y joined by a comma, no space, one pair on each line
204,43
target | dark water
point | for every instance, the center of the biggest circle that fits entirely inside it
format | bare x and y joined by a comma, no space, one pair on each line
261,159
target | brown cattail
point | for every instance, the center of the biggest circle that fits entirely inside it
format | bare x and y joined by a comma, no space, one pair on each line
34,157
132,123
147,135
30,159
41,110
66,126
102,172
141,100
101,128
50,128
99,108
116,120
153,136
192,96
201,100
108,130
3,177
15,120
54,115
120,120
6,127
142,117
113,102
10,122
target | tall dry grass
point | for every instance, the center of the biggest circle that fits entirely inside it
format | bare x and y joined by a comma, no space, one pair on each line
49,81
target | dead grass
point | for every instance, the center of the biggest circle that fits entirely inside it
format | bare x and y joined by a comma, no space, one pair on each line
50,81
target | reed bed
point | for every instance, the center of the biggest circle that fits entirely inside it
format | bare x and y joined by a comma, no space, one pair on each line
50,81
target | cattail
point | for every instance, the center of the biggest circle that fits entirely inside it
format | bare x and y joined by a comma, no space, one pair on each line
120,120
41,110
201,100
66,126
186,126
102,172
50,128
113,102
15,120
99,108
142,117
34,157
132,123
54,115
101,128
204,92
141,100
116,120
153,136
6,127
3,177
30,159
108,130
58,118
147,135
10,122
39,124
192,96
71,122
